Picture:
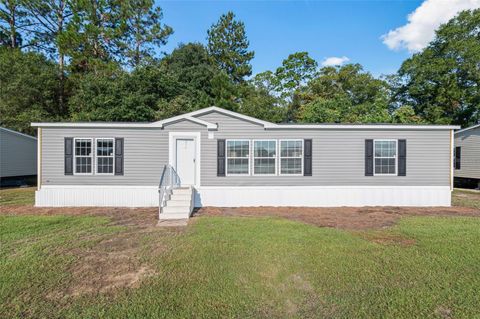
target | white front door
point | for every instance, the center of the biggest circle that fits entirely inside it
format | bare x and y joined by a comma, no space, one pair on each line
185,160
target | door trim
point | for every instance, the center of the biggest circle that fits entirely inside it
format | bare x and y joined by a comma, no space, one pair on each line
172,150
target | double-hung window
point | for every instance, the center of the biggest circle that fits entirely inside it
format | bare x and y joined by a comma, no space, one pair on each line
238,157
264,157
83,156
104,147
385,155
291,157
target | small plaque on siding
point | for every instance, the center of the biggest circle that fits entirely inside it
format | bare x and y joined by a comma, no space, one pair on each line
210,135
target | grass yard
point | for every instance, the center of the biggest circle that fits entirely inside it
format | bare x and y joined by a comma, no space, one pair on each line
114,263
17,196
466,198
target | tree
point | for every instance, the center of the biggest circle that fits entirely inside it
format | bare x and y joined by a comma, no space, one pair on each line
228,45
13,19
405,114
295,71
442,83
49,20
344,94
144,30
94,37
28,90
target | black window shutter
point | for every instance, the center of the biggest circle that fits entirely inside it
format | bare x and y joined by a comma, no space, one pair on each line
68,154
368,157
458,157
307,157
221,157
402,157
119,155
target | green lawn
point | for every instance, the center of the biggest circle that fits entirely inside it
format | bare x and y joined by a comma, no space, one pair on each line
17,196
466,198
424,267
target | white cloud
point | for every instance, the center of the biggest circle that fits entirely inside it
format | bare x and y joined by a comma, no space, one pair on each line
334,60
422,23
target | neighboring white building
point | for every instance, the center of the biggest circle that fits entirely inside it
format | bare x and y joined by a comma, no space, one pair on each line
18,156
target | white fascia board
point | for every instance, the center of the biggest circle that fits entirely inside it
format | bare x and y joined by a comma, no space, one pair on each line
159,124
360,127
467,129
95,125
210,126
227,112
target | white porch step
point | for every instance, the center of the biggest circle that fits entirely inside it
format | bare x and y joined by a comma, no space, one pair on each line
175,202
174,216
182,191
181,196
179,205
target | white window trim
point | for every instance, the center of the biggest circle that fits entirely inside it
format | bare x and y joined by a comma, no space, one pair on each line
396,157
280,156
96,156
249,156
75,156
275,158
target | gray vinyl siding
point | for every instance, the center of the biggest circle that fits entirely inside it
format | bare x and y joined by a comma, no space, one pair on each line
18,154
469,141
338,155
146,151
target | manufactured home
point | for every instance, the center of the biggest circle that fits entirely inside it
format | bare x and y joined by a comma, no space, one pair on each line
467,156
216,157
18,158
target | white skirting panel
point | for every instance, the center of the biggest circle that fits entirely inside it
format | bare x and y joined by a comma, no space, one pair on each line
116,196
324,196
321,196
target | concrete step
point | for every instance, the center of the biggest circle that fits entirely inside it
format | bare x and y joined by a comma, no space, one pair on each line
174,202
164,216
182,190
176,209
181,196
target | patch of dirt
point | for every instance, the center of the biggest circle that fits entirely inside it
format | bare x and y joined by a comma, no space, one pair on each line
384,238
113,260
443,312
354,218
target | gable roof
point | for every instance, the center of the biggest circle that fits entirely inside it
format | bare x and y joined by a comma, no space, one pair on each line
468,128
17,133
191,116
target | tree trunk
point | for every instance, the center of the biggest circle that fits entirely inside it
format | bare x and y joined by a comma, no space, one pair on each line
61,57
13,30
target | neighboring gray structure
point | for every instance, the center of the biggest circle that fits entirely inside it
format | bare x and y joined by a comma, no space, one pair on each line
467,156
18,155
230,159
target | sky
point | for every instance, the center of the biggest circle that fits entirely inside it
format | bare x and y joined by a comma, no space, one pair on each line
377,34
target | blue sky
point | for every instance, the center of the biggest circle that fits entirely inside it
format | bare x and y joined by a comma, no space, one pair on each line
322,28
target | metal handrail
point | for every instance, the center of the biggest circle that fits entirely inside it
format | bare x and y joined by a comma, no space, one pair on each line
169,181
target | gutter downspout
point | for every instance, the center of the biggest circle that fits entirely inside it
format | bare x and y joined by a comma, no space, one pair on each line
451,159
39,159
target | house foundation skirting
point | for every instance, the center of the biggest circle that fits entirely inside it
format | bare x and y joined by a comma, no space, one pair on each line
324,196
221,196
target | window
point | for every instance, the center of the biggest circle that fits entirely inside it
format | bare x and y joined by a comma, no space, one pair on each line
105,155
291,157
458,157
238,154
385,155
83,156
264,157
